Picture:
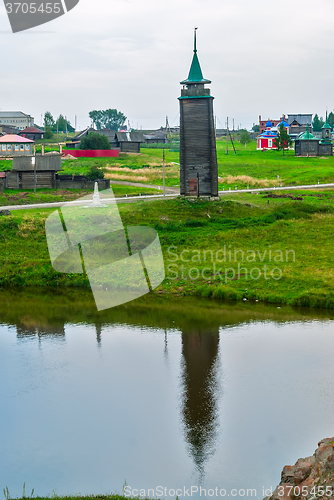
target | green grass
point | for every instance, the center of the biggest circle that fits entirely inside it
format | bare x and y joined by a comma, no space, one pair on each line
266,165
260,233
27,196
248,167
75,497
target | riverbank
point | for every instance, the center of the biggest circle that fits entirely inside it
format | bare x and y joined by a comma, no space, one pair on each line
274,248
74,497
311,477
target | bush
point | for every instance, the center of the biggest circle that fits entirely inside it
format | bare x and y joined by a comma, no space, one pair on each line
48,133
95,173
244,137
94,141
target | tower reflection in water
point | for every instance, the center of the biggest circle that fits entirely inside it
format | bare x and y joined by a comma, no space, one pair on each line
200,353
200,390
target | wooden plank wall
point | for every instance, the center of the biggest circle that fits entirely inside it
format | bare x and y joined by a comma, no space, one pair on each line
44,180
198,146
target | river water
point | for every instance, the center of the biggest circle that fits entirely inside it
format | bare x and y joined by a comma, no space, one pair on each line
159,393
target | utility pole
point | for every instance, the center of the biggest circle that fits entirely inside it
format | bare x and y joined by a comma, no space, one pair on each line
226,136
163,171
33,161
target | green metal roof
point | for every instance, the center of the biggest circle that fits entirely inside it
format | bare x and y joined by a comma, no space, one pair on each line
307,135
195,72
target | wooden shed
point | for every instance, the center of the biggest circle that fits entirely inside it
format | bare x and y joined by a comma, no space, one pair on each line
32,133
22,175
129,142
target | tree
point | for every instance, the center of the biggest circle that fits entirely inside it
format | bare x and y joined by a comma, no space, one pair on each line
283,140
95,173
256,128
317,123
49,121
244,137
108,118
331,119
94,141
48,133
63,125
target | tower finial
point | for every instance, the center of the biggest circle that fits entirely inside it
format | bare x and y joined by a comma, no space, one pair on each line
195,48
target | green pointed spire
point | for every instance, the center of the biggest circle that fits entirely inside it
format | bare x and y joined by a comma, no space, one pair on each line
195,72
326,124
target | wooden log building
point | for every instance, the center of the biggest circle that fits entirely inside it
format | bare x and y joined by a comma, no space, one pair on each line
198,155
22,175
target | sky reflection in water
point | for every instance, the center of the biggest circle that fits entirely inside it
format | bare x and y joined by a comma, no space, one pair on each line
158,393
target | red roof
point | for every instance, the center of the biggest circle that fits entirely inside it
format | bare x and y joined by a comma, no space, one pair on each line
14,138
31,130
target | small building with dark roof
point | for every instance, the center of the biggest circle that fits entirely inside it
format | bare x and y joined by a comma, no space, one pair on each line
22,175
158,136
14,145
126,142
32,133
308,145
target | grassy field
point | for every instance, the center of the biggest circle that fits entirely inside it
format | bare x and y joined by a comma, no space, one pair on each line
245,247
248,167
26,197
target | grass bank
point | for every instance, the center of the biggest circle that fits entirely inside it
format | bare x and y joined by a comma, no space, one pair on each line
76,497
269,248
27,197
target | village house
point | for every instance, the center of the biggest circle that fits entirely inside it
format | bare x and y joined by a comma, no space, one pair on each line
15,145
16,119
298,124
158,136
126,142
32,133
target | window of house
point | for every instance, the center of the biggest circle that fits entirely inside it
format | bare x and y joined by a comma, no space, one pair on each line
3,147
21,147
270,143
9,147
16,147
27,147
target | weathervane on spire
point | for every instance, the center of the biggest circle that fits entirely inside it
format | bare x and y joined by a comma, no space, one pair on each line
195,29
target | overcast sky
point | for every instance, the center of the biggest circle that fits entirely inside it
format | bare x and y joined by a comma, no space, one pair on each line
263,57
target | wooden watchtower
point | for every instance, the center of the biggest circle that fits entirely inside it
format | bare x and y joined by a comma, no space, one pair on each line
198,155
